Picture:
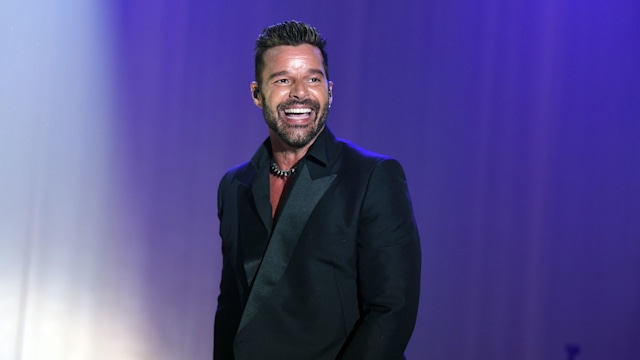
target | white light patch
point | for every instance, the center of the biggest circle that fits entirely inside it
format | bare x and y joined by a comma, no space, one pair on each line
69,290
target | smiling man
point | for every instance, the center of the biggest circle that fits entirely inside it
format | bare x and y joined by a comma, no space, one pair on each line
321,254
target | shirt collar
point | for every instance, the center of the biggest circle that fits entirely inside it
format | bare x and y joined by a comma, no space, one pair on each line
319,152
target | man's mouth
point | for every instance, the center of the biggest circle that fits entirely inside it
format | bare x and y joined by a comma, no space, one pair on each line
298,113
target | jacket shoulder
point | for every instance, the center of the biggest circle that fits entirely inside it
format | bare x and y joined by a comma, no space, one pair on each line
355,153
240,172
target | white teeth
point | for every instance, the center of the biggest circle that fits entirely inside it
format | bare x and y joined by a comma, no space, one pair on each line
297,111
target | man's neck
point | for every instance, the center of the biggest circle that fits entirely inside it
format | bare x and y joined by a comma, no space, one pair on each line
285,156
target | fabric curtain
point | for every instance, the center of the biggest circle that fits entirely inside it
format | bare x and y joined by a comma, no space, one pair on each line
518,125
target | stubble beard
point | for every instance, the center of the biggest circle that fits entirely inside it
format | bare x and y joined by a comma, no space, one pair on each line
290,134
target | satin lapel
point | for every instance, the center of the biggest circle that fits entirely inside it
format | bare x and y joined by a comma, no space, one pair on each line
255,218
303,198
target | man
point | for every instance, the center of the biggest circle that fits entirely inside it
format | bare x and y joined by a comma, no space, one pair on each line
321,255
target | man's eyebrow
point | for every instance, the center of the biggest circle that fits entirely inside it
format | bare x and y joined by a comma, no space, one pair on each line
285,72
316,72
278,74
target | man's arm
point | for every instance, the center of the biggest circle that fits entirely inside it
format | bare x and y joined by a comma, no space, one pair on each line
228,309
389,263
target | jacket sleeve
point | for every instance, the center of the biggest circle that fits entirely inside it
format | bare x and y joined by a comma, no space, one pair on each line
226,317
389,263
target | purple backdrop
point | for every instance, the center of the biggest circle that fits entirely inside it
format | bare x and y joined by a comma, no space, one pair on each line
518,125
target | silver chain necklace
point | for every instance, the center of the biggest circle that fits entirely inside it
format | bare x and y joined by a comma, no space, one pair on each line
275,170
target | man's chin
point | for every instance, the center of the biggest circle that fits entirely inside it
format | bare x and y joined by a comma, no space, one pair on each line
296,143
296,139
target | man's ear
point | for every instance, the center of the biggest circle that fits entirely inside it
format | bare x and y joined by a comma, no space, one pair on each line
330,92
255,94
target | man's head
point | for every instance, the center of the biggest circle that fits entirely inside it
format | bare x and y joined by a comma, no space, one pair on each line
288,33
292,86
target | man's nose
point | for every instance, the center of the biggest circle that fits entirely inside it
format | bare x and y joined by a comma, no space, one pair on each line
298,90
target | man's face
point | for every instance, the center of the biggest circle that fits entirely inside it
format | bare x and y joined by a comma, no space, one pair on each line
294,93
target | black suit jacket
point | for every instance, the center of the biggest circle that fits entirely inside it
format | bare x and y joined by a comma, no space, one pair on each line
337,276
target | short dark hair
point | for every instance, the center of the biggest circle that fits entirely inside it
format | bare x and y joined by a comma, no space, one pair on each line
288,33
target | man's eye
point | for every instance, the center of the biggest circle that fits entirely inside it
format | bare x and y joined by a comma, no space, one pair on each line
314,80
282,81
